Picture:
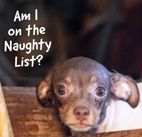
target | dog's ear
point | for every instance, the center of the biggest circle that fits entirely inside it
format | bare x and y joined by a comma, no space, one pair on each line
125,88
44,91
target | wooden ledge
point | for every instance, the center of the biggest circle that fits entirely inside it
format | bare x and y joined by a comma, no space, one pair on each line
29,119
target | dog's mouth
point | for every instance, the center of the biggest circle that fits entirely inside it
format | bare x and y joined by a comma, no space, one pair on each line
81,127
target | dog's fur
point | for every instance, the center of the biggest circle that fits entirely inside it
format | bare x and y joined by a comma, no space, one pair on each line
83,90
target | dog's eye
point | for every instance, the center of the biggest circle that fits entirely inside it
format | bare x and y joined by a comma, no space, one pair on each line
100,91
60,90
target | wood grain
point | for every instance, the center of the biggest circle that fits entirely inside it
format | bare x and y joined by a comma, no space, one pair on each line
29,119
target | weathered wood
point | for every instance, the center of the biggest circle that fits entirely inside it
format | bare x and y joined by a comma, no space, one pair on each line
29,119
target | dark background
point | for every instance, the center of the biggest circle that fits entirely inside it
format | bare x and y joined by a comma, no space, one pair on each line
109,31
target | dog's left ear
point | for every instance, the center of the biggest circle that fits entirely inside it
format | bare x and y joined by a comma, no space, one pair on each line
125,88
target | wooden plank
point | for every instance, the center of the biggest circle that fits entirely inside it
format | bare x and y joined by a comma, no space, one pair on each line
5,125
29,119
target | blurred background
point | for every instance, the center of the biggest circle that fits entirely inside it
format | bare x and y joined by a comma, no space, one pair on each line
109,31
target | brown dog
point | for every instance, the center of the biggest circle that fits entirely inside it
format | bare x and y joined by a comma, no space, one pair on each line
82,90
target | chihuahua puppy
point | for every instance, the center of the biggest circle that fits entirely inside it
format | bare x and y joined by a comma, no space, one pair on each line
83,92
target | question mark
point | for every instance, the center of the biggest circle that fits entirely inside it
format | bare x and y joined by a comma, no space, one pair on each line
39,58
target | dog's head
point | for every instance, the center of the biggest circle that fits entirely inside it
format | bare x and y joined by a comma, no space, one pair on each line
81,89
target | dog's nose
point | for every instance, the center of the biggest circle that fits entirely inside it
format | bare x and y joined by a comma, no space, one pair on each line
81,112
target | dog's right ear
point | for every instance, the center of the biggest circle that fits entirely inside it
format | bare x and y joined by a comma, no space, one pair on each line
44,91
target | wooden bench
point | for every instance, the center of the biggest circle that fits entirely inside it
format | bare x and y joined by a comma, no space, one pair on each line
29,119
